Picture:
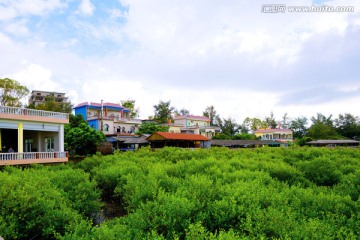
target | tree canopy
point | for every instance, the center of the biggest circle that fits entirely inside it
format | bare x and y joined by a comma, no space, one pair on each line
12,92
51,104
80,138
151,127
130,104
322,128
211,113
181,112
163,111
229,127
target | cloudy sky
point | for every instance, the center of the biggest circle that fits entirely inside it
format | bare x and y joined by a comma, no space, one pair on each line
226,53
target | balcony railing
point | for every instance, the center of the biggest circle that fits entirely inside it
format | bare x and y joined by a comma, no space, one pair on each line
32,155
33,112
120,119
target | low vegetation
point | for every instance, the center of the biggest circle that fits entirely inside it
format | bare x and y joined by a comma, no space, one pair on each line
172,193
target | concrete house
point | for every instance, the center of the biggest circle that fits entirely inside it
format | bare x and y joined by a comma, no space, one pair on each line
110,118
38,97
31,136
196,125
277,134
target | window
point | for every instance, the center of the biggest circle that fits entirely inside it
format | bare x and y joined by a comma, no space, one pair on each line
118,129
38,94
106,128
132,129
123,130
28,145
49,144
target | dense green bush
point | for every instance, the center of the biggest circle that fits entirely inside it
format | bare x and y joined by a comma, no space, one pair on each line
37,203
172,193
281,193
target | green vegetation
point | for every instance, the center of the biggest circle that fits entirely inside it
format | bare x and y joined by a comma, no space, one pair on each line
38,202
80,138
163,112
130,105
11,92
50,104
172,193
151,127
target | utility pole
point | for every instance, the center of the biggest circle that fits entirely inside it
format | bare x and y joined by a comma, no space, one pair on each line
101,116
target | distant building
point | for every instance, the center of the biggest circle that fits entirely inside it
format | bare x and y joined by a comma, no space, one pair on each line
192,124
245,143
110,118
277,134
334,143
38,97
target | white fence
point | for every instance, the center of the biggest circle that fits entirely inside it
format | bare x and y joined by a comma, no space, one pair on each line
33,112
32,155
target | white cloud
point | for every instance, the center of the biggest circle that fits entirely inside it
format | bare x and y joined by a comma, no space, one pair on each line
36,77
86,8
20,8
199,53
17,28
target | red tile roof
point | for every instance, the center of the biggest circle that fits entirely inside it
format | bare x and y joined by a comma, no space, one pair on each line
180,136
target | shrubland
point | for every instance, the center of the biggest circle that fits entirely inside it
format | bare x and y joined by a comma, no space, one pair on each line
173,193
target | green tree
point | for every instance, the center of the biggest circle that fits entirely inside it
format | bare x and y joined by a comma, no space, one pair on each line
253,124
130,104
322,128
151,127
299,126
181,112
270,121
11,92
285,121
348,126
210,112
51,104
163,112
244,136
80,138
229,127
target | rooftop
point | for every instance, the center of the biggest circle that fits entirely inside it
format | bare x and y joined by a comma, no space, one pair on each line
177,136
334,142
105,105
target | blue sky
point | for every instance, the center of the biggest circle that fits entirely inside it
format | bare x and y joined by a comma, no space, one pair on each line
195,53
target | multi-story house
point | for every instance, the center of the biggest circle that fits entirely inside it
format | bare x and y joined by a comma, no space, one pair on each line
110,118
38,97
277,134
195,125
31,136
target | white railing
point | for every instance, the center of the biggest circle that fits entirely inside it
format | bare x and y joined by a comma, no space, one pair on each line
32,155
33,112
115,119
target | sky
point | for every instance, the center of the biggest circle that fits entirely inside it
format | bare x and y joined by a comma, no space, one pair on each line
232,54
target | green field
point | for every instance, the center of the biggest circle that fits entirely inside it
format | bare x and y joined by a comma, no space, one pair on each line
262,193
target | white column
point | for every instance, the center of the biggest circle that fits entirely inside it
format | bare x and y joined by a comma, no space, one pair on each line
61,138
